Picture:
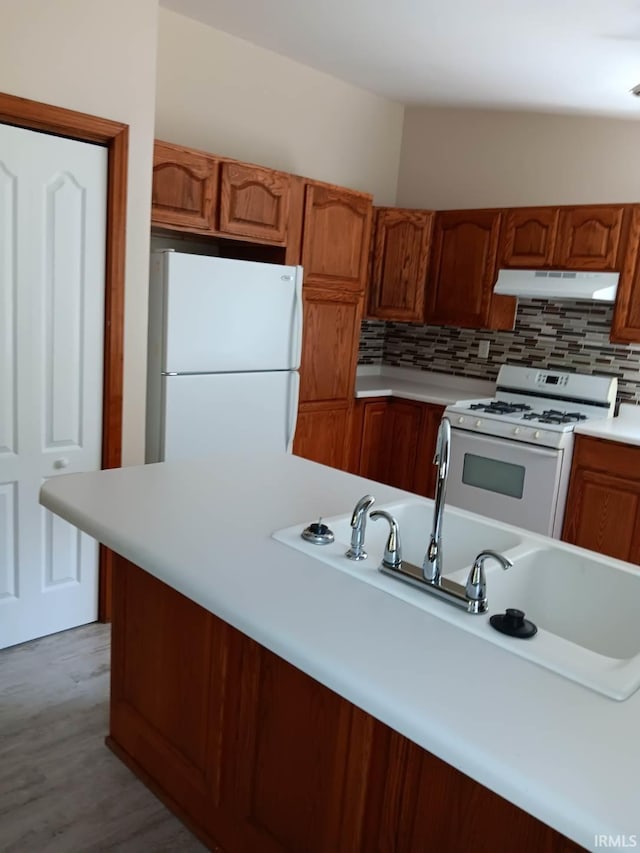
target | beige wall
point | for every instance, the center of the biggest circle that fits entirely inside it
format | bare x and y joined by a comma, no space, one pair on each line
227,96
98,58
472,158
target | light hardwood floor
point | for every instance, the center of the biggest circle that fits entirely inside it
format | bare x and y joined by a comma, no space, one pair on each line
61,789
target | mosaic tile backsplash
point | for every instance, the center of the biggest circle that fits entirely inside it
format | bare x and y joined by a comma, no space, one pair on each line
571,336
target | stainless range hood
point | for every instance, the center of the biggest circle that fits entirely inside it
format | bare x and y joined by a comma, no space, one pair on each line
558,284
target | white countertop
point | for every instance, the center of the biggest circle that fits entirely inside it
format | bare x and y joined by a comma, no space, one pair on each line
562,752
625,428
414,384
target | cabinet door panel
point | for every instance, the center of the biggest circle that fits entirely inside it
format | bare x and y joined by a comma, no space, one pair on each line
626,317
372,457
163,698
588,238
254,202
609,512
184,189
293,737
400,253
403,427
323,433
463,267
528,237
603,504
335,242
331,337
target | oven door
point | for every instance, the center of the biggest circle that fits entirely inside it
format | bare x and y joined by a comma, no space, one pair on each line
508,480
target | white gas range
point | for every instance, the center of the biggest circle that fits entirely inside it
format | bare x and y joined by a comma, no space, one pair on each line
511,455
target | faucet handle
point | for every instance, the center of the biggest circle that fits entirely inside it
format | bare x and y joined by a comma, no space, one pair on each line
476,586
392,558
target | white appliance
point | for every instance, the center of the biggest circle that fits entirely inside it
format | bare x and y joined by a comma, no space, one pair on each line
225,338
558,284
511,455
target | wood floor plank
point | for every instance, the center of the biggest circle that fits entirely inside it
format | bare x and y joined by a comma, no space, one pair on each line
61,789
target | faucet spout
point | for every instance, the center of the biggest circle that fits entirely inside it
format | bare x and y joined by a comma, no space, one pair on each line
432,564
358,525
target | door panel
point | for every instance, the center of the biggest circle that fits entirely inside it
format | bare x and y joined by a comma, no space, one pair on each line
254,202
53,197
233,411
335,242
322,434
463,267
8,302
8,555
185,185
528,237
330,345
399,264
225,315
588,238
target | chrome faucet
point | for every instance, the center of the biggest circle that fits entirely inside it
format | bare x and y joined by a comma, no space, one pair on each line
358,525
432,564
473,595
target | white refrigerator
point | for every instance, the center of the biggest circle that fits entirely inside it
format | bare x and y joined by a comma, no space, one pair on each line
225,338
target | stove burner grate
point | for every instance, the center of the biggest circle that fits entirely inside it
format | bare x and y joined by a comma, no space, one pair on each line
552,416
500,407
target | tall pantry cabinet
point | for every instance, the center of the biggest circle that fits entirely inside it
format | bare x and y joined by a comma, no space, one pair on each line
335,251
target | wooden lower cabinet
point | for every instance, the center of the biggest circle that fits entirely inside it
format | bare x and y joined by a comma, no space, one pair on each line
393,441
368,451
257,757
603,504
323,433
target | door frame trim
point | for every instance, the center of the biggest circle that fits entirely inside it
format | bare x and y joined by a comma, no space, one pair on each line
114,136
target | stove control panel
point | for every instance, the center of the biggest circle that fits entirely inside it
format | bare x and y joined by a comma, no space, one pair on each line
556,380
495,428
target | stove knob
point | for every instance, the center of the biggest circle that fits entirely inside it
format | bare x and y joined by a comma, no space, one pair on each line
517,431
460,420
537,434
478,423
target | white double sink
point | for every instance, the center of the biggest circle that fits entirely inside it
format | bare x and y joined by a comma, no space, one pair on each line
586,606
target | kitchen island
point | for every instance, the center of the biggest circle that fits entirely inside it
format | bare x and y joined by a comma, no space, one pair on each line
307,664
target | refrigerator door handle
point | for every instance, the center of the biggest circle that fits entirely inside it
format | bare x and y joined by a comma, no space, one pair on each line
294,390
296,331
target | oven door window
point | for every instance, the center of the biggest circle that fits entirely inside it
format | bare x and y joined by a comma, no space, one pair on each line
493,475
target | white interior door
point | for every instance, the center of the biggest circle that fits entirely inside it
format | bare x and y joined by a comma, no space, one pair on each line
52,272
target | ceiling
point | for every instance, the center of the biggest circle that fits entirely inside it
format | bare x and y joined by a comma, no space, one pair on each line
579,56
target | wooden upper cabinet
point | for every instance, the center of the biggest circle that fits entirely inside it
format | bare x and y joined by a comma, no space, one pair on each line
625,326
254,202
528,237
463,267
335,241
589,237
185,186
399,257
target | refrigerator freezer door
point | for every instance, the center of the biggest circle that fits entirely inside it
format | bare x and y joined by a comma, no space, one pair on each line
203,413
224,315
